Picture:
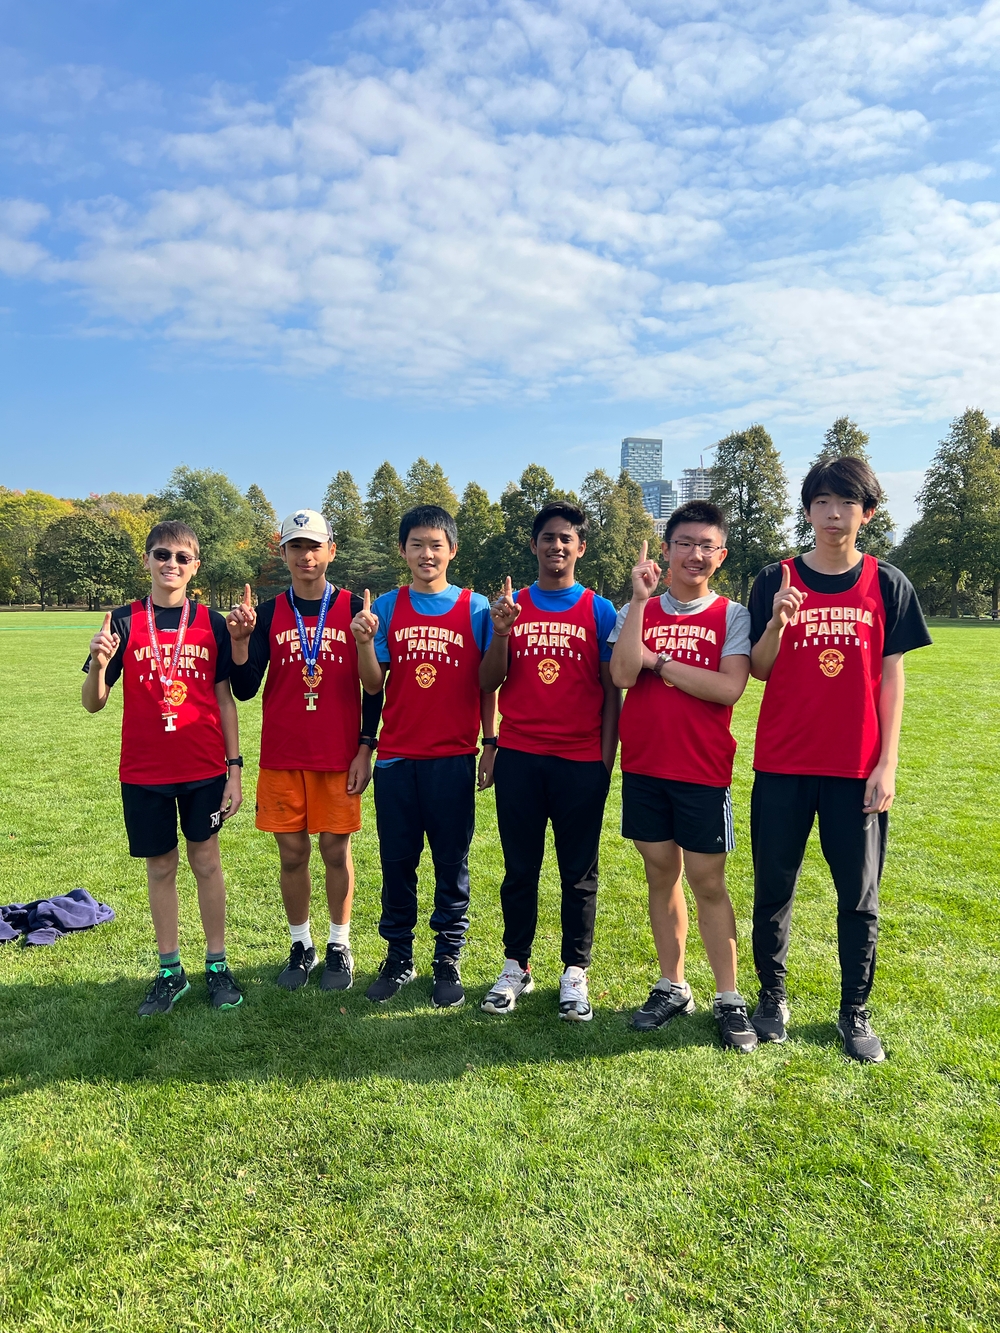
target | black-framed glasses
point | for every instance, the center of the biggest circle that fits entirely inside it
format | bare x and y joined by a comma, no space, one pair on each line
685,547
162,555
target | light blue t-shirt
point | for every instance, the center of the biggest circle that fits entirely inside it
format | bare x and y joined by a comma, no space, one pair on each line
428,604
564,599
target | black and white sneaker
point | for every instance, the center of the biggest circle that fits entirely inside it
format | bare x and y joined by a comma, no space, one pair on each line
513,982
736,1032
223,991
338,974
574,1001
771,1015
662,1006
858,1036
301,962
393,975
448,992
163,994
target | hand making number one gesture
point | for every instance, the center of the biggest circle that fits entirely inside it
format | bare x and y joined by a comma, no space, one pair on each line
787,600
645,576
504,611
242,618
365,623
104,644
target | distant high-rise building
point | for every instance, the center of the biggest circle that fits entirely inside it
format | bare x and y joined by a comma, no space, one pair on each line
659,498
695,483
642,459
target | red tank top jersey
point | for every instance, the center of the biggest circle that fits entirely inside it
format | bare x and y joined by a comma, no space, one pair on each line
432,691
319,734
664,732
819,714
193,748
552,699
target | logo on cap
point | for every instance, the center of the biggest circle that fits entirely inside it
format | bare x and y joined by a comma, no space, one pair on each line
301,519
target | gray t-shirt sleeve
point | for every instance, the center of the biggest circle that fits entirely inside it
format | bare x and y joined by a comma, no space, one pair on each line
613,636
737,631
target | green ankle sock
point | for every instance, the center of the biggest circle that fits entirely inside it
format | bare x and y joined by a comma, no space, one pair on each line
171,962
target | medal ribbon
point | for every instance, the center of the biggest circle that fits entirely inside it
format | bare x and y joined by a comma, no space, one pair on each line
166,677
310,654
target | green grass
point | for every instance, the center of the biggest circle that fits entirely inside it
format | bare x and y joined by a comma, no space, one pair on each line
310,1162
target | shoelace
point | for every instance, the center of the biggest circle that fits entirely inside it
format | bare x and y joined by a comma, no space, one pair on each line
770,1005
508,980
573,991
446,970
860,1022
735,1017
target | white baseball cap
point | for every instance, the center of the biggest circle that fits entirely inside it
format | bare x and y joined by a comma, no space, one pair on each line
306,523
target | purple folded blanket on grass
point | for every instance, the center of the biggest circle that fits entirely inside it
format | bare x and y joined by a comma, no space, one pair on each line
49,919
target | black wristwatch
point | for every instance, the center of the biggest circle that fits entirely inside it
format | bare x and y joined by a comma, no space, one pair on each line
490,740
235,763
370,741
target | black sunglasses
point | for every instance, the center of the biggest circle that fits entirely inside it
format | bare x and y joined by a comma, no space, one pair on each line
161,554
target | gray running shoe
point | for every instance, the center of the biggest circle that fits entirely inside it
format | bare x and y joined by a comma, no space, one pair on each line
662,1006
858,1036
163,994
574,1000
222,988
771,1015
735,1030
513,982
301,962
338,974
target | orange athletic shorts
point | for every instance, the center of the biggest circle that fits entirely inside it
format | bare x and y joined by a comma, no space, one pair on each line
293,800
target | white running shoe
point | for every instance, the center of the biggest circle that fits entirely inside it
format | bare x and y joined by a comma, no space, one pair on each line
512,982
574,1004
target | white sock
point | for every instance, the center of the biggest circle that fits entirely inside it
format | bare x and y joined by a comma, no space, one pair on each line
301,935
666,984
339,934
730,997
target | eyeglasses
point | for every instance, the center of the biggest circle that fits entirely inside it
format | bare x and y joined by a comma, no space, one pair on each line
685,547
162,555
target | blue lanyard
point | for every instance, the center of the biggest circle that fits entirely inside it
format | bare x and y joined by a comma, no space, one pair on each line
310,655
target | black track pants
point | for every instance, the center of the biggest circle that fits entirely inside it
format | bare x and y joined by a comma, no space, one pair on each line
782,810
531,789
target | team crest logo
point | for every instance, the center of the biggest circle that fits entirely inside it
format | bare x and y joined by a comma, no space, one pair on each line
548,670
300,519
831,662
426,675
175,693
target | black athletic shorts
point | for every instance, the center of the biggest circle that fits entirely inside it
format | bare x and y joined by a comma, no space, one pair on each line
697,818
151,814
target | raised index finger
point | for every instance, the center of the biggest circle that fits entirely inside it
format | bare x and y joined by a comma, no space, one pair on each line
106,627
367,600
786,577
246,596
506,587
644,550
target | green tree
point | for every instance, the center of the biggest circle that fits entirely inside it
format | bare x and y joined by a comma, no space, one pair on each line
480,523
344,511
87,556
954,542
846,439
750,487
384,506
618,526
24,517
223,520
426,484
264,532
509,550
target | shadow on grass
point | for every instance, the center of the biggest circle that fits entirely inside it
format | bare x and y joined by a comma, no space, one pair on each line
90,1031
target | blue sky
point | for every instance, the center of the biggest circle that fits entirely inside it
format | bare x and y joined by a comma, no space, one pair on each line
282,239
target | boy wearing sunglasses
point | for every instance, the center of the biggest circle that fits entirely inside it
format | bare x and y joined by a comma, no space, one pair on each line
684,658
316,740
180,751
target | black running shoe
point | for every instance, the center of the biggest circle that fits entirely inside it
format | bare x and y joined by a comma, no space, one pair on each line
770,1016
339,971
448,992
735,1029
222,988
163,994
858,1036
301,962
393,975
661,1007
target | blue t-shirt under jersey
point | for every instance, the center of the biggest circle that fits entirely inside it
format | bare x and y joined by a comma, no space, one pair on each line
428,604
564,599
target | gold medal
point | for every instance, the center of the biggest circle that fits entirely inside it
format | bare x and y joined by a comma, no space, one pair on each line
312,679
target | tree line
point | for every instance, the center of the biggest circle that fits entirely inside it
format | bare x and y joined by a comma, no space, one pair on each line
72,551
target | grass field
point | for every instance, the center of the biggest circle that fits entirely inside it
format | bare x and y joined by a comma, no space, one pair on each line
311,1162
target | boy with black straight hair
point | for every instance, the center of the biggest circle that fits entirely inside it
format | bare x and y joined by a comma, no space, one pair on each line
557,746
424,642
829,631
316,739
684,658
180,751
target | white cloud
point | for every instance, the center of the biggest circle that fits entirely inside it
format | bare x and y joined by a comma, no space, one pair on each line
733,207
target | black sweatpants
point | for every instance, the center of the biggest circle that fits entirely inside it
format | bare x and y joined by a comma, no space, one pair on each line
436,797
531,789
782,810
